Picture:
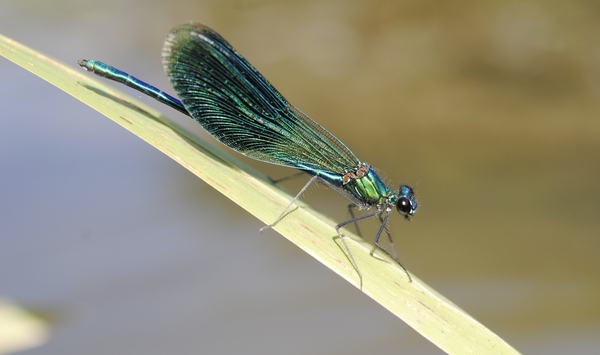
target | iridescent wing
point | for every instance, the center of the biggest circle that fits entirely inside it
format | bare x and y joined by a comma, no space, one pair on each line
241,109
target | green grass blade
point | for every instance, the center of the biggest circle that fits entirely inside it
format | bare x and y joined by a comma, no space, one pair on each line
429,313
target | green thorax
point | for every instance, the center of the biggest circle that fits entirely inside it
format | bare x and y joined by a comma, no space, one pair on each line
367,187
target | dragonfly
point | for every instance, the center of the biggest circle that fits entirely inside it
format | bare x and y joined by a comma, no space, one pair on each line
230,99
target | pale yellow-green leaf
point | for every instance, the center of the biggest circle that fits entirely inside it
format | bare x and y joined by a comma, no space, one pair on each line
20,329
429,313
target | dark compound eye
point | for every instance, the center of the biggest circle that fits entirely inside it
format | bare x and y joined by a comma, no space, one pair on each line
404,206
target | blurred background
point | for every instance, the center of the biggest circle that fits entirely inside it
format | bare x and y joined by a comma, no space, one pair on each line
490,108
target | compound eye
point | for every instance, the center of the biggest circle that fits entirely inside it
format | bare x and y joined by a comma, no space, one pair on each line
404,206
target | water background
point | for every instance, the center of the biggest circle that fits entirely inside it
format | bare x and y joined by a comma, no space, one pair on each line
491,109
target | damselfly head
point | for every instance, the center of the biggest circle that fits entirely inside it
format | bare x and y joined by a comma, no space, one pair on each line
407,202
